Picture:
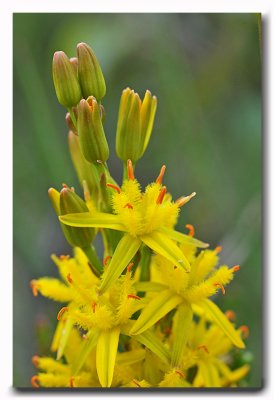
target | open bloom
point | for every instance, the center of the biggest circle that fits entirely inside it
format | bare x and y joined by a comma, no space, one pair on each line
147,218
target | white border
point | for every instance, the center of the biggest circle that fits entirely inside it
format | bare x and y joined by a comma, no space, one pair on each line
10,6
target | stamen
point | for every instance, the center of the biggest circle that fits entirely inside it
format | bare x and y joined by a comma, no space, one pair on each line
236,268
220,286
35,361
61,312
203,347
106,259
184,199
245,330
230,315
65,186
94,305
161,195
63,258
84,336
69,278
128,205
136,383
191,229
129,267
133,296
180,373
34,287
118,190
160,176
71,382
218,249
130,172
34,381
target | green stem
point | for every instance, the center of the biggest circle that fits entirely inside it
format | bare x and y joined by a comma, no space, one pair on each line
145,264
96,264
72,116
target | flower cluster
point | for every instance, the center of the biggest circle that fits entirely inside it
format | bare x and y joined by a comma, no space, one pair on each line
142,315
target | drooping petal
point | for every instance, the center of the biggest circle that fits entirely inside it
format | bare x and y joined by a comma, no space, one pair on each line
125,251
155,310
181,331
182,238
222,321
106,351
98,220
161,244
88,345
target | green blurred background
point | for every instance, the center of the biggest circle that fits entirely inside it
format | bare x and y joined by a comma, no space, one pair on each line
206,72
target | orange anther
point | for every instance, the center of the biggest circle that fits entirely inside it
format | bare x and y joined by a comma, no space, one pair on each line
191,229
106,259
218,249
180,373
65,186
236,268
160,176
136,383
133,296
245,330
161,196
220,286
63,257
84,336
184,199
128,205
118,190
71,382
94,304
34,287
129,267
230,315
35,361
34,381
130,172
69,278
203,347
61,312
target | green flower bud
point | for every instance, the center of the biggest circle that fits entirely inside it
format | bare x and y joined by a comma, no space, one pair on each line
85,171
65,80
135,123
90,129
89,72
68,202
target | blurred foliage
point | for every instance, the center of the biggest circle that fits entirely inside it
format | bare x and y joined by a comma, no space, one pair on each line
206,72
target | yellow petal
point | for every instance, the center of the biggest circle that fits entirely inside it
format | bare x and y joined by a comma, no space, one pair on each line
53,289
161,244
181,330
106,351
88,345
184,239
222,321
98,220
68,326
124,252
155,310
131,357
149,287
210,374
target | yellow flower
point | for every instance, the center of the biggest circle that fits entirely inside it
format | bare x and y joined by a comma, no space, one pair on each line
147,218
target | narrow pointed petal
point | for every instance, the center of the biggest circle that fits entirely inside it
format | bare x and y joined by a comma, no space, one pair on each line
155,310
163,245
98,220
125,251
184,239
181,331
106,351
88,345
64,337
149,287
131,357
210,374
222,321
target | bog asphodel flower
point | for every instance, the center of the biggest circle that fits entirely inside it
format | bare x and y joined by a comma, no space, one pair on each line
147,218
142,313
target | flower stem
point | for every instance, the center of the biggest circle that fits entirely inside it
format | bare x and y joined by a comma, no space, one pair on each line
95,263
72,116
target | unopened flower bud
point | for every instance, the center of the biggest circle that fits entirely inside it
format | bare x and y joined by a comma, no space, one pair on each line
65,80
74,63
89,72
93,142
68,202
135,122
